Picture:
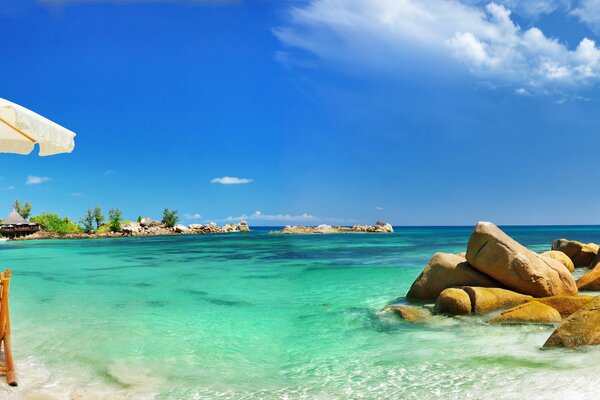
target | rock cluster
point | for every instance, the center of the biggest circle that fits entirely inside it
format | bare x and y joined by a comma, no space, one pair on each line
148,227
499,275
379,227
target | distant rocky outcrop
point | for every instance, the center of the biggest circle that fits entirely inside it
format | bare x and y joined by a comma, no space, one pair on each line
379,227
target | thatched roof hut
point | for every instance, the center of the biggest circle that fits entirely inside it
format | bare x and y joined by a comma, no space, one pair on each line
14,225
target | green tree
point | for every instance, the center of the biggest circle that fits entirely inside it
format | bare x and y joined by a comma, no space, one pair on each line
170,218
139,219
54,223
115,219
23,210
87,221
98,217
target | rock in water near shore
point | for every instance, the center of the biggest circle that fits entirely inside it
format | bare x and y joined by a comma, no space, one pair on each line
243,226
445,271
453,301
530,312
591,279
580,329
407,313
494,253
581,254
180,228
560,257
566,305
485,300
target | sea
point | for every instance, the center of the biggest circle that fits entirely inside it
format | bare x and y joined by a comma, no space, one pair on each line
261,315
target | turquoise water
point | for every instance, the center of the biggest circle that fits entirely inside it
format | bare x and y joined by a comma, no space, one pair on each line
262,316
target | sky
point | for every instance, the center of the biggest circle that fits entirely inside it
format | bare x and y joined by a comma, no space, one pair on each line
437,112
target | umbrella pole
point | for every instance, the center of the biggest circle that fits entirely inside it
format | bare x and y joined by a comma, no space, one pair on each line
20,132
9,365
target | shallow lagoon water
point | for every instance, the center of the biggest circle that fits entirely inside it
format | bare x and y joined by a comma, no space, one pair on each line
263,316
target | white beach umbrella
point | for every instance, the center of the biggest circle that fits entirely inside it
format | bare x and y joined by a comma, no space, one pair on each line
21,129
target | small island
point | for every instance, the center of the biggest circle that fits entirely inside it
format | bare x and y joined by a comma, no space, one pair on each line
18,226
379,227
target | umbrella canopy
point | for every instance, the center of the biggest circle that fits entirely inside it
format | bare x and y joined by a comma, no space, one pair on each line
21,129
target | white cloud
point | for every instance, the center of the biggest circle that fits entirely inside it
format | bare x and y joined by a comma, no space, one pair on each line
7,188
231,180
530,8
109,172
379,208
588,12
288,218
259,216
387,35
192,216
36,180
77,194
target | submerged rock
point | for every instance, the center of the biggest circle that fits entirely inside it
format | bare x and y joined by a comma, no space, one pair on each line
494,253
453,301
444,271
485,300
407,313
581,254
566,305
530,312
561,258
582,328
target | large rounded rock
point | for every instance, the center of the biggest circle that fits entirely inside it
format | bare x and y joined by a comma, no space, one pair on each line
494,253
453,301
407,313
580,329
485,300
530,312
444,271
566,305
581,254
561,258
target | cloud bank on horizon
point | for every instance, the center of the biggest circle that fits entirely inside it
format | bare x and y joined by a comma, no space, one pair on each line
479,37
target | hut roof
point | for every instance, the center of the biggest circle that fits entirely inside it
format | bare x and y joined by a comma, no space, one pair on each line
14,218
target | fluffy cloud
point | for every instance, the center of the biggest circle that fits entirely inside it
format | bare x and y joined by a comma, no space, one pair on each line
588,12
231,180
36,180
385,35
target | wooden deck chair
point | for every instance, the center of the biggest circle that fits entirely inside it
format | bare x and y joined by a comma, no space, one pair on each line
9,367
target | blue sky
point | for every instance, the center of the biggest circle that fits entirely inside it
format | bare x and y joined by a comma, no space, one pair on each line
433,112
